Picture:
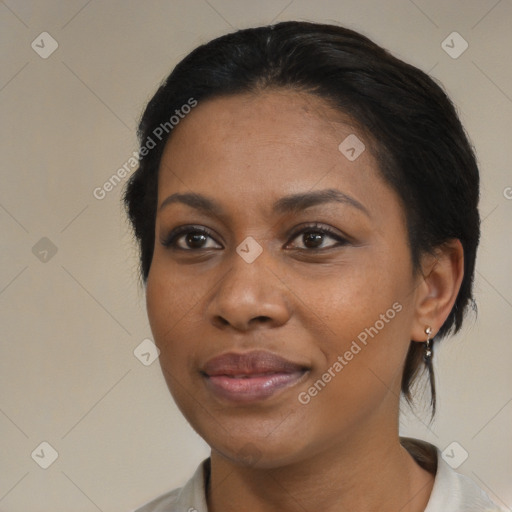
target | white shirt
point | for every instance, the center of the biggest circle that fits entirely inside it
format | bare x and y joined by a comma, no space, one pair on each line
452,492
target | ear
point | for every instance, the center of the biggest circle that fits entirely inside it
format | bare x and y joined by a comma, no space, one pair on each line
438,287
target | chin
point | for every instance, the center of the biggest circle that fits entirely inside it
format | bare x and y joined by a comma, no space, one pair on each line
258,451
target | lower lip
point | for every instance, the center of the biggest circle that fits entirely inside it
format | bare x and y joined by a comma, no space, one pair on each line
251,389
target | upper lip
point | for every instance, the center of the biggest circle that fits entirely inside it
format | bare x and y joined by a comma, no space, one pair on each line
250,363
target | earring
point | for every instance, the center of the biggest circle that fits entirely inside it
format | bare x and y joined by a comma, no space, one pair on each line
428,345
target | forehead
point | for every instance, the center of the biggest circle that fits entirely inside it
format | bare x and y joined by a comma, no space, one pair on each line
271,117
257,147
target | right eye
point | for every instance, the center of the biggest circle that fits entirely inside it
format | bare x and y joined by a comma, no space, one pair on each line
189,238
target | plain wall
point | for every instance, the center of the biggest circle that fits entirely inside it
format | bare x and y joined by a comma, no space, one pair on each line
70,321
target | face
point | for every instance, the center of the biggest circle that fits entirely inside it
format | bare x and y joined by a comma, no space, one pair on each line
281,293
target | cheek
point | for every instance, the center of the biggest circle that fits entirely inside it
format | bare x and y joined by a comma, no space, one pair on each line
170,308
366,316
168,303
157,302
353,296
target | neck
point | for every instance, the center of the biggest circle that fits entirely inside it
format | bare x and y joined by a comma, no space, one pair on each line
369,472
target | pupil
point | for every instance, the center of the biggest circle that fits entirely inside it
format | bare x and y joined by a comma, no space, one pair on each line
195,239
315,238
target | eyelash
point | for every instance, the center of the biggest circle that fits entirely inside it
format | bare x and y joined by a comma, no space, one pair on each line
170,241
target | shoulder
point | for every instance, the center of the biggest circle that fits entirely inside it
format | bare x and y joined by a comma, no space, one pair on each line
189,498
167,502
452,491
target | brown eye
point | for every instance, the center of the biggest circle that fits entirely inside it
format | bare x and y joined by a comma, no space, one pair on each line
195,240
314,236
312,239
189,238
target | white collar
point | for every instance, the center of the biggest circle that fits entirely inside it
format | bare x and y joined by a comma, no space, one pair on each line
452,492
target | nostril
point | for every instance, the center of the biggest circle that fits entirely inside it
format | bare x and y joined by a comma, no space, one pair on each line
262,318
221,320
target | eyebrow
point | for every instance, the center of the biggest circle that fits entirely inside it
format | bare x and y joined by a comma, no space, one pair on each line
288,204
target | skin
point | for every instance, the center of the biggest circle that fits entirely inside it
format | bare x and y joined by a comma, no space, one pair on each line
340,451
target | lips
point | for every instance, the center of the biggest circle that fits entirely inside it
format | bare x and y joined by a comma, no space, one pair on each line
251,376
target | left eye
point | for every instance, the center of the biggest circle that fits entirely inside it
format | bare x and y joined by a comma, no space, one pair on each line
314,237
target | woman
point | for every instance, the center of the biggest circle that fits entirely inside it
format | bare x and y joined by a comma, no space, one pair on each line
306,209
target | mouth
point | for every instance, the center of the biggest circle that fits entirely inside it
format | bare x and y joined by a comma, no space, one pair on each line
251,376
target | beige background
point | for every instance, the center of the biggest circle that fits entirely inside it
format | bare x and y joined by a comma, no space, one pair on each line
70,321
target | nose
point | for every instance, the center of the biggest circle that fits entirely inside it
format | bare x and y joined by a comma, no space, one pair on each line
249,296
